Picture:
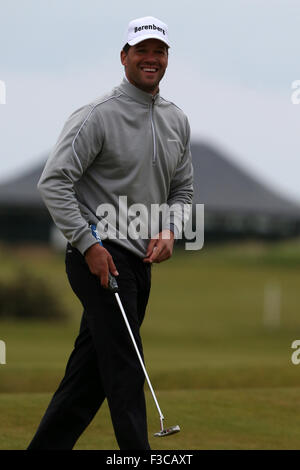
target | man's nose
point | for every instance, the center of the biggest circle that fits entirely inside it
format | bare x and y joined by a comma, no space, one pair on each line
150,57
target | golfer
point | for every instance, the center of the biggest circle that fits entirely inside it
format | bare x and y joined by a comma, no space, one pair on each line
130,146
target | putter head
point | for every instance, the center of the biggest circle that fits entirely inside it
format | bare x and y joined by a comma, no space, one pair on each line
168,431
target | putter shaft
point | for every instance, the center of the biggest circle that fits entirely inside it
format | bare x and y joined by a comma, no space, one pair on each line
140,359
113,287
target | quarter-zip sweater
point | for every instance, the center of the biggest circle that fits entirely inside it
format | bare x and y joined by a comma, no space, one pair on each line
126,143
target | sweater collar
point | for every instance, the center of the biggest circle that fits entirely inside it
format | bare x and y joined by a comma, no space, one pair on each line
136,93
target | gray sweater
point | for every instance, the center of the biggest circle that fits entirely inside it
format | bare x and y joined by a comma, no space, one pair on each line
126,143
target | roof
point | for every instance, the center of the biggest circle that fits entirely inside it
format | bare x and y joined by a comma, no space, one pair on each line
22,190
222,186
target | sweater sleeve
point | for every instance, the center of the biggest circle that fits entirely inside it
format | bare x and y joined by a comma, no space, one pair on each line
79,143
181,190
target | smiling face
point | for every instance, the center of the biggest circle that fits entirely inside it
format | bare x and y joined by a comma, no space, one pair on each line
145,64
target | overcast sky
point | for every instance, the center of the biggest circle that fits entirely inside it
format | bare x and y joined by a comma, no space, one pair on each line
231,67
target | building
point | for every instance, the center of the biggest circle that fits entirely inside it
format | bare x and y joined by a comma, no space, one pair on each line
236,204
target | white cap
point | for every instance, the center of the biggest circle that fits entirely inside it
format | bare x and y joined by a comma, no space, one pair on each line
147,27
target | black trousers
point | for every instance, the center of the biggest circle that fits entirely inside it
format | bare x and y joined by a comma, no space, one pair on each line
103,363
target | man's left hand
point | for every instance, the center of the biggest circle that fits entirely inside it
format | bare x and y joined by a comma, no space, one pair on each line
160,248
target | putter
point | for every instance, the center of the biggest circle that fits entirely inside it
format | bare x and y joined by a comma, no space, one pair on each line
113,287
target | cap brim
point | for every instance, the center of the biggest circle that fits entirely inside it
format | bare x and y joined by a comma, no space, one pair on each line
135,41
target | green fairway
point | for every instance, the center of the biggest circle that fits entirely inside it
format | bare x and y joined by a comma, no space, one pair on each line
209,419
220,371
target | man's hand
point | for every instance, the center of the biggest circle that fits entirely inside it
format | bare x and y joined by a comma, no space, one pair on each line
160,248
100,262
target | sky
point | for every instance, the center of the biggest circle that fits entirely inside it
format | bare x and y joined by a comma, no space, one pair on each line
231,69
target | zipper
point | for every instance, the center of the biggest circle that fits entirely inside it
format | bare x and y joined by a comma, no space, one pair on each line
153,133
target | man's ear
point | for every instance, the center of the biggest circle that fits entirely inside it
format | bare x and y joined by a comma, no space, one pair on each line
123,57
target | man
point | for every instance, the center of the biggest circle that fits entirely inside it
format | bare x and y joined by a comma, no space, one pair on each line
130,145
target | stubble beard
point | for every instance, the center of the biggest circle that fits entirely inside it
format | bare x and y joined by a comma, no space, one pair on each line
148,88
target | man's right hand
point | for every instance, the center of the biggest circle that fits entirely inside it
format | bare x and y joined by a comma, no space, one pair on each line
100,262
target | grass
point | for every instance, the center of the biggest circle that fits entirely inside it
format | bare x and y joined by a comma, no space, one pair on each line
218,369
262,418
